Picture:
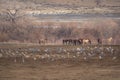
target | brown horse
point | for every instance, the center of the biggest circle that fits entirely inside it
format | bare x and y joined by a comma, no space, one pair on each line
77,41
42,41
99,41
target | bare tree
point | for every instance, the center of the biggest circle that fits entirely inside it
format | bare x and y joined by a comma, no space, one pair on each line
12,11
13,21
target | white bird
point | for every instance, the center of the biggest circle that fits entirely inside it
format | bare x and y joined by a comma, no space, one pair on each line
74,56
26,56
100,57
78,49
65,50
34,58
46,50
114,58
85,58
13,53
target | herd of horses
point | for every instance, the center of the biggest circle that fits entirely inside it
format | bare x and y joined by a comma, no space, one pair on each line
87,41
76,41
72,41
79,41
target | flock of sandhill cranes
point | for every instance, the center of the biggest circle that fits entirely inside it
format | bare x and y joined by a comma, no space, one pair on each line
56,53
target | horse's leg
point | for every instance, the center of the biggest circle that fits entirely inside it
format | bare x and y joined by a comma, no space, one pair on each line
90,41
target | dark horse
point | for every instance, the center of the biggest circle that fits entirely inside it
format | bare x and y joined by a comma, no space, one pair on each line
72,41
99,41
67,41
42,41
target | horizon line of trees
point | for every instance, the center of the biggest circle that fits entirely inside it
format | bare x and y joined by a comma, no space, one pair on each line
22,32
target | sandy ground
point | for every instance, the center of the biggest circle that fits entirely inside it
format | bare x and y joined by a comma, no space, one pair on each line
60,70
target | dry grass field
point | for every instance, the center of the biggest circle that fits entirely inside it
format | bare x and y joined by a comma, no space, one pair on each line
29,21
58,62
76,2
